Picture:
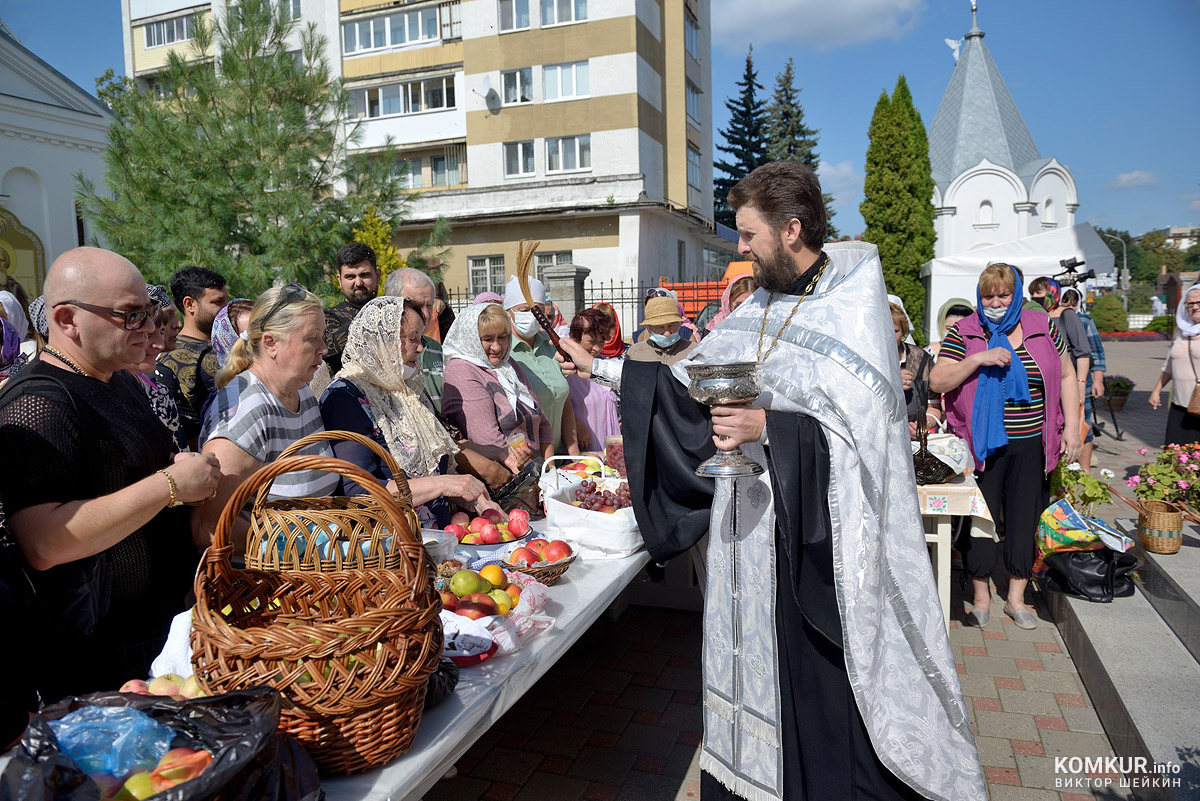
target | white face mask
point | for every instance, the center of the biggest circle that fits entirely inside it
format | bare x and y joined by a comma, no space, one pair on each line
408,371
525,324
995,315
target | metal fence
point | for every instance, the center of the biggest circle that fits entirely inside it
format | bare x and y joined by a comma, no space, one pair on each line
700,300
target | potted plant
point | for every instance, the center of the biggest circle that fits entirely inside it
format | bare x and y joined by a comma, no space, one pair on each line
1116,390
1173,476
1084,491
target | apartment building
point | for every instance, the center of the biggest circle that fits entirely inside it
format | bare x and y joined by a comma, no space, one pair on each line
586,124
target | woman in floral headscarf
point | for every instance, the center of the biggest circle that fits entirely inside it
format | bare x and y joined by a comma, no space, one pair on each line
380,393
230,322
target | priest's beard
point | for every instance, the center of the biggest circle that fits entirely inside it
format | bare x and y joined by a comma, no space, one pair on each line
776,272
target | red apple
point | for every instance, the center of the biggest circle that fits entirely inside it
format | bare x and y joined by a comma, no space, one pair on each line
135,686
178,766
472,539
523,557
457,530
493,514
475,610
461,519
557,550
518,527
489,534
518,514
478,523
537,546
449,600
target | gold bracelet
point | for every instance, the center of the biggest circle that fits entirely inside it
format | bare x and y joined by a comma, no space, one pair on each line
174,494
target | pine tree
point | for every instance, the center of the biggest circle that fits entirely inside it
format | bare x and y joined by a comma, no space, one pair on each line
897,206
376,234
745,139
236,165
789,138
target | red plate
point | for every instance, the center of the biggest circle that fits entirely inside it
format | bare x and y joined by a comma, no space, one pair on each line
475,659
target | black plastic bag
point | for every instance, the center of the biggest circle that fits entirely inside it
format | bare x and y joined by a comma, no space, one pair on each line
1097,576
251,760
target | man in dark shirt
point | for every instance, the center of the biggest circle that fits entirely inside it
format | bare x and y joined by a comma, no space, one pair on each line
91,500
358,278
188,372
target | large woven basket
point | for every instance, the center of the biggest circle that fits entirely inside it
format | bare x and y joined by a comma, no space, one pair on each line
350,651
1160,527
283,532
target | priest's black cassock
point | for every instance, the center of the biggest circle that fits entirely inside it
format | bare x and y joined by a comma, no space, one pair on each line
826,750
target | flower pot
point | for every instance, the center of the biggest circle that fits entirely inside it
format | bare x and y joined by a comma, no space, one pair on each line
1116,402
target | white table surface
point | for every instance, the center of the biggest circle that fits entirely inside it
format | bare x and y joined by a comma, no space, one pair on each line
487,690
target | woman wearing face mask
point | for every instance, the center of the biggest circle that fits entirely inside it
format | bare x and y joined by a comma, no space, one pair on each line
532,350
486,396
1180,370
380,393
1010,392
665,343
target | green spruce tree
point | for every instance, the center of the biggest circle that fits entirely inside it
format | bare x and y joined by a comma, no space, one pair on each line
897,206
745,139
788,137
237,163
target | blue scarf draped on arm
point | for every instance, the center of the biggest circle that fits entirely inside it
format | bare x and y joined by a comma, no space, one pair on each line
997,384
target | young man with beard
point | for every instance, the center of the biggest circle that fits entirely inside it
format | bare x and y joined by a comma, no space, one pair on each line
188,371
358,278
826,665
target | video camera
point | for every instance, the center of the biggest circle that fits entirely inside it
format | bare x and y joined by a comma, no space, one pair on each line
1070,275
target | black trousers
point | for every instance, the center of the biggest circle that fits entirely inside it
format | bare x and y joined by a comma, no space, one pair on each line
1182,428
1015,485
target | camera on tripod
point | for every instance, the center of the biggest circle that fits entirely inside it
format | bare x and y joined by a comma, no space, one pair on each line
1070,276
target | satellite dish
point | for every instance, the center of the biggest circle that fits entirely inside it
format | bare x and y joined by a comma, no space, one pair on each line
492,101
487,85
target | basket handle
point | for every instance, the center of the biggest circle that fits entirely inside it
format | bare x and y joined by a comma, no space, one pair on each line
216,558
1137,507
402,488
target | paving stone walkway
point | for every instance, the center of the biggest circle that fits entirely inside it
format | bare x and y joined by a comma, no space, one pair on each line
618,719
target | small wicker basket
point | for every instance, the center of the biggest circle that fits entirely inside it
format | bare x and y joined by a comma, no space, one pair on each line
546,574
283,532
1160,527
350,651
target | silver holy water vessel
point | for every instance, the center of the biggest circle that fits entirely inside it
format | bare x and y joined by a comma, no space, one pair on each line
728,384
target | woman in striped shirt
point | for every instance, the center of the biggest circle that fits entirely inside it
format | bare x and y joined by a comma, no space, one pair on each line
1018,416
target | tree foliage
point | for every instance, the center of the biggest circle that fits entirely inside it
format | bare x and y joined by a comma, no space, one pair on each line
745,139
239,163
430,256
787,135
376,234
1109,315
898,191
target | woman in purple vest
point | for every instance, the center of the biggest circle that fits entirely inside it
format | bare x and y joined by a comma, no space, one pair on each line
1018,415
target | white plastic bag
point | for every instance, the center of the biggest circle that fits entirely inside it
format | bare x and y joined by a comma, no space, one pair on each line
593,535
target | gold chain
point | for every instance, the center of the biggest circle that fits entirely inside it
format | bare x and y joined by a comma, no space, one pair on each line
804,294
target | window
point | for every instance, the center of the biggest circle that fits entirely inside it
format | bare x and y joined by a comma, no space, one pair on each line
693,102
1048,213
693,168
681,257
169,31
545,260
408,173
450,15
691,35
487,274
393,30
514,14
291,9
444,169
555,12
985,213
564,81
569,153
518,158
430,94
518,86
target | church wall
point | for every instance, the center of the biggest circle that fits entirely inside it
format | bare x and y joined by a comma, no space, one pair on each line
1052,196
984,215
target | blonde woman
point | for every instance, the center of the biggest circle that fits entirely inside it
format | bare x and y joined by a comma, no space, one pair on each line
263,403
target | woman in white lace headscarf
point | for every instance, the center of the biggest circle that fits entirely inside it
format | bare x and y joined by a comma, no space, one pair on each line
379,392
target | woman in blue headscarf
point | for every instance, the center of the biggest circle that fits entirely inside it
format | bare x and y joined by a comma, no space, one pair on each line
1010,392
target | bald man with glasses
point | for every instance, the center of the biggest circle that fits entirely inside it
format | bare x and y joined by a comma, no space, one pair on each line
93,487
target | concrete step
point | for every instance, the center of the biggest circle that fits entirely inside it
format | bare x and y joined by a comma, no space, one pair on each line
1171,582
1145,686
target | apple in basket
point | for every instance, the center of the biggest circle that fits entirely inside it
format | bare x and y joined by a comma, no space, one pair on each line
518,526
461,519
556,551
457,530
537,546
489,534
523,557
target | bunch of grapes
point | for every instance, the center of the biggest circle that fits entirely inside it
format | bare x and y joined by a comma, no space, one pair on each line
597,500
614,457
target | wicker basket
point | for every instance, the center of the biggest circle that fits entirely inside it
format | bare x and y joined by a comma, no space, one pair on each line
546,574
1160,527
351,651
354,522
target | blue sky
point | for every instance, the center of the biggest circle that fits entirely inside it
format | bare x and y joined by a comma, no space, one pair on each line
1107,88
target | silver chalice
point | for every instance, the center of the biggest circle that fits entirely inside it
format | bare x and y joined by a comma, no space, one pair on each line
728,384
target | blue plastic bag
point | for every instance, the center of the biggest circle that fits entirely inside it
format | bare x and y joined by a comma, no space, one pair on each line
112,739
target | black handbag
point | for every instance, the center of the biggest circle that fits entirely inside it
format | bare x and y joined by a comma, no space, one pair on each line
1097,576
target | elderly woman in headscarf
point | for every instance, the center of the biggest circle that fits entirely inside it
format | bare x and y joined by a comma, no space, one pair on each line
10,350
734,295
614,346
486,395
1182,369
380,393
14,312
161,399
